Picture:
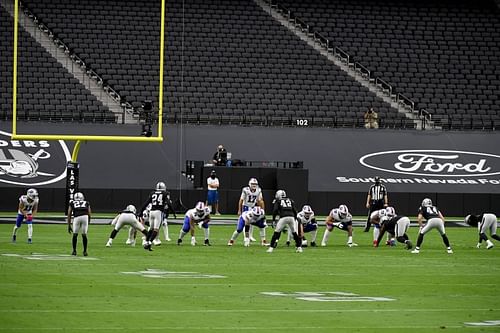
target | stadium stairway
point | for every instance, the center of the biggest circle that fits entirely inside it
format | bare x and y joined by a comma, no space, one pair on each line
346,67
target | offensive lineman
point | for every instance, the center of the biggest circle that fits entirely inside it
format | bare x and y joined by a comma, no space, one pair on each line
79,208
199,215
484,222
158,199
254,216
396,226
306,222
284,207
250,197
435,220
342,219
26,209
126,217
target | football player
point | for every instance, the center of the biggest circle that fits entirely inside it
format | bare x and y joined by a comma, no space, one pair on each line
79,208
158,199
26,209
435,220
339,218
484,222
255,216
126,217
396,226
284,207
250,197
305,222
377,218
199,215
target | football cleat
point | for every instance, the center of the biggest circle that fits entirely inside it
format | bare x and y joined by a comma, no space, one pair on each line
313,244
408,245
129,241
449,250
352,244
108,244
230,243
29,241
299,250
246,242
168,239
252,239
13,238
193,241
270,249
287,243
264,243
156,242
478,245
207,243
416,251
179,241
490,244
85,254
375,243
323,244
73,253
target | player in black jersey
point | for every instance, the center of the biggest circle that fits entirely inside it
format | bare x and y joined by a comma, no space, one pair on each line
159,199
79,208
484,222
435,220
396,226
284,207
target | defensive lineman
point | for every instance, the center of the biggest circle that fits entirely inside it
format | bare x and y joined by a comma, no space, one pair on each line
250,197
484,222
256,217
435,220
158,199
396,226
284,207
126,217
26,209
199,215
339,218
79,208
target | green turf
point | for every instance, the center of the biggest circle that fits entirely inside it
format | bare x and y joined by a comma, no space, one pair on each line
432,291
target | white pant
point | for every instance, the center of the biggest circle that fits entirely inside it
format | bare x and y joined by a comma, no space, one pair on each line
489,222
433,223
81,223
128,219
155,219
402,226
286,221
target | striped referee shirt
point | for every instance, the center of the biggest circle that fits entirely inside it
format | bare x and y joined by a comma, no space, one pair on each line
377,192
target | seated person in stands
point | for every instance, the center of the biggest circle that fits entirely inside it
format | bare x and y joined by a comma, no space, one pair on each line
371,118
220,156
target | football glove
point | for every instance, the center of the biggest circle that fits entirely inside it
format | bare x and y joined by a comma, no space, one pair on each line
70,230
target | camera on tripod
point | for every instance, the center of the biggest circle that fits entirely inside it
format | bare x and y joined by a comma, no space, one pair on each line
146,115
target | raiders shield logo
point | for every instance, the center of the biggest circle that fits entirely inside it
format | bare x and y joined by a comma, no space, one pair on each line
32,163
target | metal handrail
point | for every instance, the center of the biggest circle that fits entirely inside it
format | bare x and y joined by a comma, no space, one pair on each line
386,87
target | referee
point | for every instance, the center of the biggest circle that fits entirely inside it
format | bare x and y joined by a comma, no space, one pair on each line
375,200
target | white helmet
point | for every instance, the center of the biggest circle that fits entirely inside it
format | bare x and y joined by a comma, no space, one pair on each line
307,210
382,212
390,211
131,208
343,211
280,194
253,183
200,208
32,194
257,211
160,186
426,202
78,196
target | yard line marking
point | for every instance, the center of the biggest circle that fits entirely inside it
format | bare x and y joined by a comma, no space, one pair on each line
243,310
231,328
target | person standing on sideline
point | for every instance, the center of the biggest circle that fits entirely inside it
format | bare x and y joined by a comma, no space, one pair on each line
79,208
26,209
213,193
435,220
375,200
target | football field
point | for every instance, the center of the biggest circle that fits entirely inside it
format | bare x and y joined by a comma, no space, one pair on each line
226,289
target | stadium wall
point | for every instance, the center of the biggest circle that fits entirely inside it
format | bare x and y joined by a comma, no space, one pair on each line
460,171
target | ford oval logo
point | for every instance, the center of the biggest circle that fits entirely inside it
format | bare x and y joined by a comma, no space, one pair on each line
443,163
32,163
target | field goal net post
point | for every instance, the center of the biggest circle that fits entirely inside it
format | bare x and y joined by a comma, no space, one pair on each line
72,181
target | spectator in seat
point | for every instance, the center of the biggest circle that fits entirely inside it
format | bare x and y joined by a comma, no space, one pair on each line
220,156
371,118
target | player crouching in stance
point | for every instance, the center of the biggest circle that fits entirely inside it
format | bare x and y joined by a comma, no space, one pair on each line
377,218
28,206
79,208
435,220
396,226
484,222
284,207
199,215
306,222
126,217
339,218
254,216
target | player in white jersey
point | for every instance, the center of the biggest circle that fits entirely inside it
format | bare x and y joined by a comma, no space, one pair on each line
250,197
339,218
126,217
26,209
305,223
485,222
377,218
256,217
199,215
